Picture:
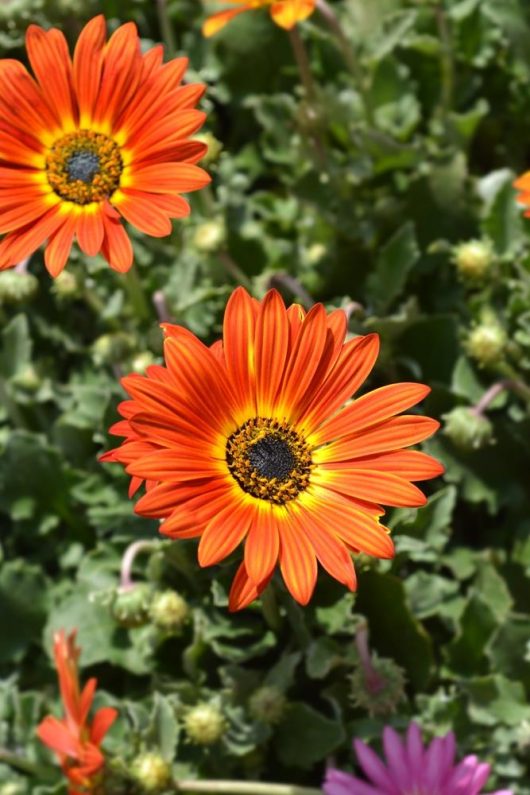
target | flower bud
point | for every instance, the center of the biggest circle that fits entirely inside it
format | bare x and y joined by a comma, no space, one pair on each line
169,611
151,772
17,287
267,704
142,361
130,607
486,342
65,285
112,348
209,236
27,379
204,724
474,259
215,147
380,691
467,429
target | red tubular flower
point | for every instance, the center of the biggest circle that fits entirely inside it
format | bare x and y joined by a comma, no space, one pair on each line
75,741
249,441
286,13
91,140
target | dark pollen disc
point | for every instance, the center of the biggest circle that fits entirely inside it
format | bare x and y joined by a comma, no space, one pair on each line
271,457
83,165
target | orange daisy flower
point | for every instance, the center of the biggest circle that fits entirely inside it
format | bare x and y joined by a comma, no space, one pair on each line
89,141
75,741
523,184
286,13
249,441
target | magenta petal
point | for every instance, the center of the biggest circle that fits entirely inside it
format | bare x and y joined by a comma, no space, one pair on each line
415,754
339,783
374,769
396,758
480,776
434,773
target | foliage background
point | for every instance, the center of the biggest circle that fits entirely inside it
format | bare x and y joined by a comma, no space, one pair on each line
416,153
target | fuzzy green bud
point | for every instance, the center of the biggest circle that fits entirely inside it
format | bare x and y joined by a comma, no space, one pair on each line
130,607
142,361
209,236
169,611
17,287
486,342
467,429
380,691
204,724
267,704
215,147
27,379
474,259
112,348
65,285
151,772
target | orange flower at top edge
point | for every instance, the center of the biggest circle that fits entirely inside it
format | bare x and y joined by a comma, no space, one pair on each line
75,741
249,442
286,13
92,140
522,184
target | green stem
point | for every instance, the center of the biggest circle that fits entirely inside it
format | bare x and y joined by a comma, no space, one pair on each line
269,608
24,765
244,788
15,415
348,53
166,29
446,62
135,293
311,93
233,269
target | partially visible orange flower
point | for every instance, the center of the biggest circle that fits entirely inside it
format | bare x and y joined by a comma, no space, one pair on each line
75,741
523,184
249,441
89,141
286,13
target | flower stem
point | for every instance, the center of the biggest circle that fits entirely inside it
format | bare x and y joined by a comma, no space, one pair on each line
293,285
348,53
126,581
374,681
134,290
244,788
446,62
303,64
166,29
233,269
489,396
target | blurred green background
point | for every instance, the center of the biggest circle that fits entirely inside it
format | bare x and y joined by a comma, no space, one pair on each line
361,198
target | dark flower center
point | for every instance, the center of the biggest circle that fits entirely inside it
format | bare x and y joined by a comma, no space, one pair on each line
272,457
83,165
269,460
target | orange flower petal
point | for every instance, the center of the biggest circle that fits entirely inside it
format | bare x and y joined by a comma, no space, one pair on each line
270,359
90,231
243,590
50,61
59,246
298,562
20,244
216,22
116,247
371,485
287,13
409,464
169,177
88,66
224,533
371,409
238,333
262,544
389,435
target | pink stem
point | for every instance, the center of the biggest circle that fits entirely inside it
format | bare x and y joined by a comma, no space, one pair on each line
126,581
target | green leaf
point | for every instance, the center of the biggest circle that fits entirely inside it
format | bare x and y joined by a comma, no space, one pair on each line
23,606
305,736
16,348
394,631
393,266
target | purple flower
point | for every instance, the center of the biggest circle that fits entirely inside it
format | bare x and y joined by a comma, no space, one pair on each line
411,769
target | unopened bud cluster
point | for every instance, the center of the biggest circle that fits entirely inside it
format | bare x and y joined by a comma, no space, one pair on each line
17,288
467,429
205,724
379,691
474,259
169,611
151,772
267,704
486,342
